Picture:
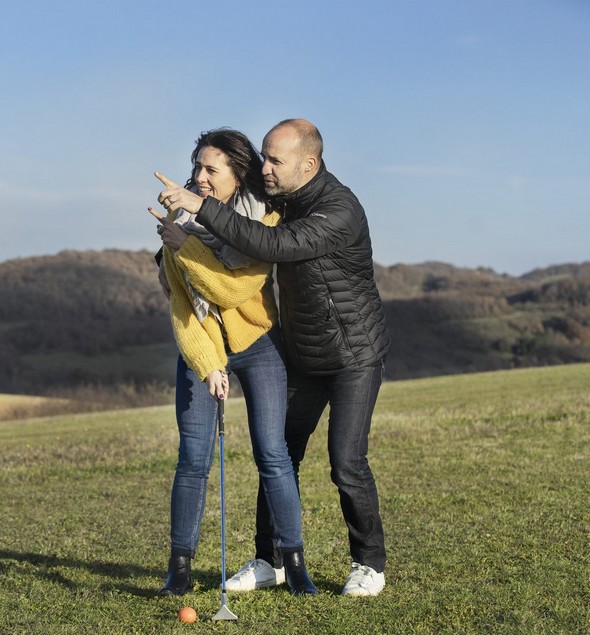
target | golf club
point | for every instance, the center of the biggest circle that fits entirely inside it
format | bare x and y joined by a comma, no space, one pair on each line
224,613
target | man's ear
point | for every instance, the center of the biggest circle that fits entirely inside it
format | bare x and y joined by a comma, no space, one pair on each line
310,163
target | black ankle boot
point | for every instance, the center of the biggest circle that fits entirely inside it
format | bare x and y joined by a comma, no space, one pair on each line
179,579
296,575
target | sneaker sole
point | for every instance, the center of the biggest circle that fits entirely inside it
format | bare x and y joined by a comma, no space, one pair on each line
357,593
258,585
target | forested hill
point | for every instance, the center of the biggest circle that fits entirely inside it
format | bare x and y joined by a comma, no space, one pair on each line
101,318
82,317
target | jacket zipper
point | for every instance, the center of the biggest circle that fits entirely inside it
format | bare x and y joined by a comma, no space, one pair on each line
332,309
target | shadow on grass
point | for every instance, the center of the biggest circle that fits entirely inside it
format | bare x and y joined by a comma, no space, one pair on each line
122,576
327,585
46,566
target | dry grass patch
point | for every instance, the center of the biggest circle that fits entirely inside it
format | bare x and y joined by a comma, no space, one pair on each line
23,406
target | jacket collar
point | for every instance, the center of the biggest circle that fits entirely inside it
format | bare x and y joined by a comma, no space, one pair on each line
304,195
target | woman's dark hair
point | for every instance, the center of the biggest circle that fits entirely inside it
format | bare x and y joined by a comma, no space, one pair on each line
242,157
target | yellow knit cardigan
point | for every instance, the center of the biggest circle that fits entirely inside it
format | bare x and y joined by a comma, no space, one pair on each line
245,300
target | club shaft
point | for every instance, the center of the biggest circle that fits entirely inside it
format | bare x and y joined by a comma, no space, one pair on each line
222,497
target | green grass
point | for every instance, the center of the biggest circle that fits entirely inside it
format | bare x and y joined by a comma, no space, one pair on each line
483,483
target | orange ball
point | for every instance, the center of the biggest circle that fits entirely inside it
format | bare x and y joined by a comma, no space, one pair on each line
187,614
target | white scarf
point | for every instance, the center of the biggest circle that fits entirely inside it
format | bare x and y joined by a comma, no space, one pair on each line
245,204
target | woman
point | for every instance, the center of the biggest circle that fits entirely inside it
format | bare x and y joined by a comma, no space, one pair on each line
225,320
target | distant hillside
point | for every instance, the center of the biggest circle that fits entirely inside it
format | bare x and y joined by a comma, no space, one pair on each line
82,318
581,270
100,318
412,281
447,320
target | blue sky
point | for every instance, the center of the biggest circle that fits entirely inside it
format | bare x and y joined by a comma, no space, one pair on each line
461,125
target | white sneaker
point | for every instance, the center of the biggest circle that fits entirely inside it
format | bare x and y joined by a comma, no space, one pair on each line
363,580
255,574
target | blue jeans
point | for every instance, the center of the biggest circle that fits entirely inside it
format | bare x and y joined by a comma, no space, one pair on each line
261,371
352,397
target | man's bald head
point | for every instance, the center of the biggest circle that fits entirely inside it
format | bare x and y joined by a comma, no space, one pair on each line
292,153
309,137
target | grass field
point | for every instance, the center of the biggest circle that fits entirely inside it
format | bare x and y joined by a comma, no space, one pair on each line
483,482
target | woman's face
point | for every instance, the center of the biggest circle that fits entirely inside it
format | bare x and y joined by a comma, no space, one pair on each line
213,175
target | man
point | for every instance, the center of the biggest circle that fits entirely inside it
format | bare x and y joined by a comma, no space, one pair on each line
334,330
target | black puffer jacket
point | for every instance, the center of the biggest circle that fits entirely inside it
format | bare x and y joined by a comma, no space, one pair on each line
331,313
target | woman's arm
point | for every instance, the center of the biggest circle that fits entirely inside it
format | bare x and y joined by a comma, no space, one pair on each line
201,344
225,287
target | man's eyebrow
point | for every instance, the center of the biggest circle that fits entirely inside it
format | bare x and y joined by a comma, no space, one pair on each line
271,157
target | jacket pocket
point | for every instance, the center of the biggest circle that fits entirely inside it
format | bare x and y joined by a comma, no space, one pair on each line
334,316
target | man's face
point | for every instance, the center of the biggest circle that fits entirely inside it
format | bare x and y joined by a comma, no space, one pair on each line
283,167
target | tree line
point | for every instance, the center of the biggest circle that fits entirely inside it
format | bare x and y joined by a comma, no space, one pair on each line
100,317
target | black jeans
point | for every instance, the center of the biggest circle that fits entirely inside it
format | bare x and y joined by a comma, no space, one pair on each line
352,398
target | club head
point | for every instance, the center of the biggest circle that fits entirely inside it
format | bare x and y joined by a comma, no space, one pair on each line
224,614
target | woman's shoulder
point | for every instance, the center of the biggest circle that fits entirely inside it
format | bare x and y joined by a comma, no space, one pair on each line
271,218
257,207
